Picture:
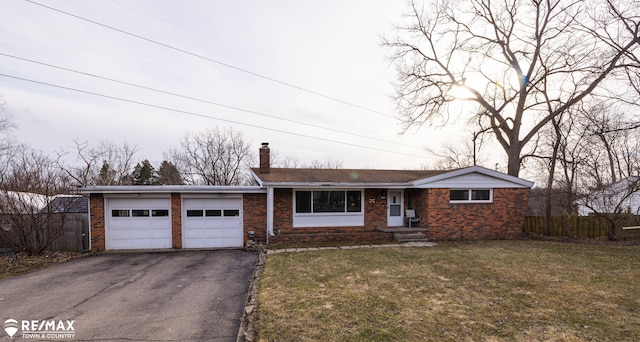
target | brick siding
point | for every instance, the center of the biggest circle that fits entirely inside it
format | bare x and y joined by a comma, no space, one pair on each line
375,215
96,214
176,221
502,219
254,208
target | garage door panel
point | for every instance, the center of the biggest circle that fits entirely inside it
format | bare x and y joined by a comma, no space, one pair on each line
232,233
196,224
215,224
139,234
164,223
232,222
214,233
139,223
160,234
212,243
194,233
219,226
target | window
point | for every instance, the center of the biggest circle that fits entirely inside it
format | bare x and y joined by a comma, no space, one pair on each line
303,201
119,213
194,213
354,201
480,195
470,195
159,212
231,212
328,201
140,212
213,212
332,201
459,195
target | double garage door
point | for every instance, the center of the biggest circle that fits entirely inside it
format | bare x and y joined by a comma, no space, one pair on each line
144,223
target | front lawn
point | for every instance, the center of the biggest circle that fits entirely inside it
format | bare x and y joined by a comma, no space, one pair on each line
475,291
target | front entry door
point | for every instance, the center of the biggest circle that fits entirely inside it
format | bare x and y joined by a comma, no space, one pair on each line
395,217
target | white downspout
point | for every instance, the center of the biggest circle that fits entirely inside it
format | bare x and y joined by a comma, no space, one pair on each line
269,213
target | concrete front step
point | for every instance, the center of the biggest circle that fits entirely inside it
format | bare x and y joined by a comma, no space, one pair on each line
405,237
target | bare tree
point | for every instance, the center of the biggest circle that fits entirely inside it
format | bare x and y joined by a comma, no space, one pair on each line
213,157
8,145
293,162
327,164
610,203
618,157
288,162
592,157
29,218
522,63
104,163
459,155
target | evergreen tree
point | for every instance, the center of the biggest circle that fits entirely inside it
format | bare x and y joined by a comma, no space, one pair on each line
144,174
168,174
107,175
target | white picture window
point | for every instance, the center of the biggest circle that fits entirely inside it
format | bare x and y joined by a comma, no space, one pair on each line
333,201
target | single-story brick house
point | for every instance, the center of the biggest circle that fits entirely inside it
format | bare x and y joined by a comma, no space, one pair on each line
310,205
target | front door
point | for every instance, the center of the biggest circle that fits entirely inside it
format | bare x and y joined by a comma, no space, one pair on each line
395,217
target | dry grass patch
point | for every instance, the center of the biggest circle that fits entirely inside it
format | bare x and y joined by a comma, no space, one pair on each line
483,291
16,264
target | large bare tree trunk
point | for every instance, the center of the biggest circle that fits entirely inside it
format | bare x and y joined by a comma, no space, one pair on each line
522,63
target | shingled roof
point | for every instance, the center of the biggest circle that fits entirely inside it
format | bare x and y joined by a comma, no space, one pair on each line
355,176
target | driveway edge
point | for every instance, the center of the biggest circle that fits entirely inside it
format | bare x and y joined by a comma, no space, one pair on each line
246,331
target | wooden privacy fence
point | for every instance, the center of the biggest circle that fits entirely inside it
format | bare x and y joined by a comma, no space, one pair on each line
580,226
571,226
75,234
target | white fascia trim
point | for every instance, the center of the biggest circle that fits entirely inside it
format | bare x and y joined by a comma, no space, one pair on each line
270,206
167,189
256,178
322,185
424,183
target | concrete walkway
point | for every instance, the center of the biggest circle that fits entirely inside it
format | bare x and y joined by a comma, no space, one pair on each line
392,245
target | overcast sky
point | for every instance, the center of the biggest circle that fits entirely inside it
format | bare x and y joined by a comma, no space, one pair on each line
315,62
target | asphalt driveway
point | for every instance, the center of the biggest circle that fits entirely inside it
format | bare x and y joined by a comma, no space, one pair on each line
181,296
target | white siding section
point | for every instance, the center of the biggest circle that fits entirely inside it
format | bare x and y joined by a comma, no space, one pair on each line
473,180
328,220
603,204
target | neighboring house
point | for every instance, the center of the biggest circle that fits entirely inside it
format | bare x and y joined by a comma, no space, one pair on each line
22,202
622,197
73,229
310,205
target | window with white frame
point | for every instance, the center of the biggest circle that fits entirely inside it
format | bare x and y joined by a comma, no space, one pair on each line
470,195
328,201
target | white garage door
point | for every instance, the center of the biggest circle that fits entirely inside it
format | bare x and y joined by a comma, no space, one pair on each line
138,223
212,222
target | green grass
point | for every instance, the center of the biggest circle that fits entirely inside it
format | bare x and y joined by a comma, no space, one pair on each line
475,291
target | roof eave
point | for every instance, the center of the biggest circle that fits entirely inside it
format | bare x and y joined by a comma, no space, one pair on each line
424,183
166,189
338,185
256,178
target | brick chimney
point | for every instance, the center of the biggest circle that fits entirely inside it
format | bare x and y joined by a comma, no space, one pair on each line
265,158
